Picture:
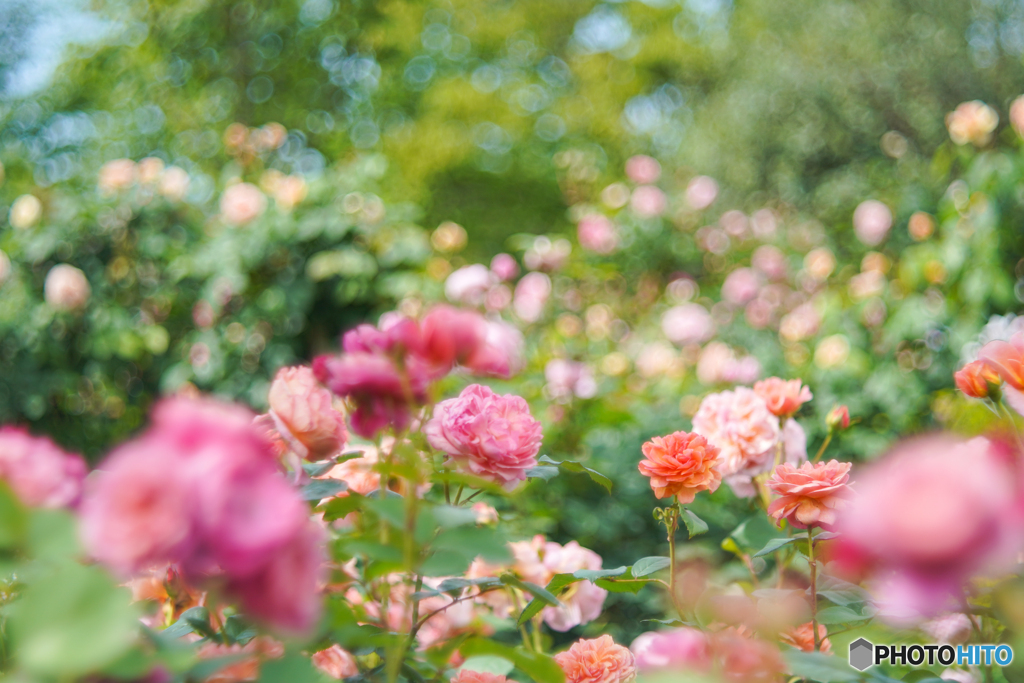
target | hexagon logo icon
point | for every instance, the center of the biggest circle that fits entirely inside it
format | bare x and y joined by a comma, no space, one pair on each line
862,654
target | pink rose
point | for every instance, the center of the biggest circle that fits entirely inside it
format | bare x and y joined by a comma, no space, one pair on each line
597,661
504,267
584,603
648,201
567,378
688,324
490,436
467,676
642,169
783,397
66,288
38,471
304,414
741,286
770,261
336,662
451,335
701,192
469,284
531,295
242,203
739,423
678,649
871,222
810,494
501,354
597,233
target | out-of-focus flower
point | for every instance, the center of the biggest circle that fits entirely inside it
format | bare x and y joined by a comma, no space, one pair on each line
117,175
360,474
680,649
739,659
469,284
567,378
681,465
531,295
538,560
336,662
289,191
501,354
770,261
1006,359
871,222
820,263
242,203
38,471
739,423
174,182
149,170
66,288
1017,115
802,638
800,323
450,335
972,122
832,351
740,286
5,266
838,418
642,169
701,192
648,201
485,514
504,267
304,414
953,629
381,394
467,676
596,233
783,397
25,212
719,363
971,675
547,255
449,237
921,226
488,435
247,668
976,378
867,284
932,513
599,660
688,324
810,494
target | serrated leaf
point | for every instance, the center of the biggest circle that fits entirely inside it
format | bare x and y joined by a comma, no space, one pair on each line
816,666
579,468
695,526
649,565
774,545
544,472
319,489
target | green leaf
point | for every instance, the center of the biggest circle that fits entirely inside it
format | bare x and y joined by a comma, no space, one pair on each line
450,516
839,615
649,565
533,589
544,472
52,535
488,664
322,488
595,574
72,621
621,586
540,667
474,541
694,524
184,625
337,508
816,666
391,509
557,583
293,668
318,469
774,545
578,468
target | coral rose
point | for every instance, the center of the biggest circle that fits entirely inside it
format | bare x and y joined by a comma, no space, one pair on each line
739,423
467,676
976,378
488,435
1006,359
599,660
336,662
304,414
802,638
117,175
66,288
680,465
783,397
38,471
242,203
809,494
681,648
972,122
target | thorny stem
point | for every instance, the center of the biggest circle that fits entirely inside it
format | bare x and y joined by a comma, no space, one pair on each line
814,589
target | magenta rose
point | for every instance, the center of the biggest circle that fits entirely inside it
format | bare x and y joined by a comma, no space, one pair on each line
488,435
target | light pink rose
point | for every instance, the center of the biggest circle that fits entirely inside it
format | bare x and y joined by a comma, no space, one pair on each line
485,514
567,378
531,296
360,474
336,662
597,233
174,183
38,471
1017,115
304,414
488,435
678,649
770,261
469,284
688,324
546,254
502,353
504,267
642,169
741,286
66,288
529,560
117,175
584,603
242,203
801,323
739,423
597,661
954,629
701,192
648,201
871,222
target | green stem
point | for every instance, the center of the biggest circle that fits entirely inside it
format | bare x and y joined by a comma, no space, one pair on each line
814,589
671,525
1013,423
824,445
458,496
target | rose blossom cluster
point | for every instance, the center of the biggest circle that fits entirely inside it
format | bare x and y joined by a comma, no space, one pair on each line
538,560
201,490
386,371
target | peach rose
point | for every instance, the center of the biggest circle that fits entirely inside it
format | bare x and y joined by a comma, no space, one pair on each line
745,660
802,638
174,182
972,122
975,378
1006,359
467,676
783,397
242,203
117,175
599,660
336,662
739,423
66,288
304,414
680,465
809,494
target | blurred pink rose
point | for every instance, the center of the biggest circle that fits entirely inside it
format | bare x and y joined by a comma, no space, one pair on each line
972,122
953,629
38,471
739,659
809,495
642,169
701,192
504,267
377,387
174,183
488,435
1017,115
741,286
469,284
242,203
567,378
304,414
547,255
360,474
770,261
529,560
688,324
801,323
648,201
584,603
739,423
678,649
597,233
336,662
932,513
485,514
501,354
66,288
531,296
117,175
597,661
451,335
467,676
718,363
871,222
802,638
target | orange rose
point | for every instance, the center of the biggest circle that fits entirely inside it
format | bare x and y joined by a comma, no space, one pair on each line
975,379
681,465
336,662
809,494
597,661
1006,359
802,638
783,397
